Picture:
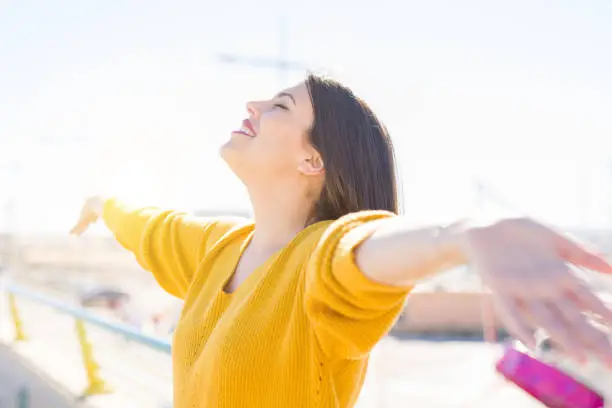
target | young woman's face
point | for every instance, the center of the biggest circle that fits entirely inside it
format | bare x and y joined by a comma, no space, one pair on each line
273,141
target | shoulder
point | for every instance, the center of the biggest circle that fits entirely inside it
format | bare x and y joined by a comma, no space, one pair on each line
221,226
221,230
337,229
322,232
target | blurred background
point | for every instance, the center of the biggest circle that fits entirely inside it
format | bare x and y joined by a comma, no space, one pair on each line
495,109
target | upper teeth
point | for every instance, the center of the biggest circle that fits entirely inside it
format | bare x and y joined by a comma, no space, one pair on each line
246,130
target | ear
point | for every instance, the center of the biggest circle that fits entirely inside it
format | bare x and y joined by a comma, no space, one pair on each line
312,165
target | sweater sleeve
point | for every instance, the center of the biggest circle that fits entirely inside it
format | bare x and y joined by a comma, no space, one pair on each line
348,311
168,243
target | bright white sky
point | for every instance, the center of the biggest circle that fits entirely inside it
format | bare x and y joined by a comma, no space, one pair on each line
128,97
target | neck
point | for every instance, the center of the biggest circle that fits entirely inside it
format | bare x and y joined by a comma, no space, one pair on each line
280,212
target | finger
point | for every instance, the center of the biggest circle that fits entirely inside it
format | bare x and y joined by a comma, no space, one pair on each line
589,335
489,331
514,319
79,228
578,255
557,328
76,230
584,296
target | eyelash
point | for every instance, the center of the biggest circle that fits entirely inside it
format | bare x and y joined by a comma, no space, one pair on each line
279,105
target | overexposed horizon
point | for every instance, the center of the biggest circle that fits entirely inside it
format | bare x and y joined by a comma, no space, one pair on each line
131,100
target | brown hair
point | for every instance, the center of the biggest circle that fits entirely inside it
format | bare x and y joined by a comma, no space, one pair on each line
360,172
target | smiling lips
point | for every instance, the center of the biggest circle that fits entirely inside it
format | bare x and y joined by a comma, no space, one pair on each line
247,129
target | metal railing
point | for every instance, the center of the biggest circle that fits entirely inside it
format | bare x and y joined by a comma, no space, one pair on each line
95,384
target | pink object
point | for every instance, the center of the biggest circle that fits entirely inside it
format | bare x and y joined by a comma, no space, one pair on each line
546,383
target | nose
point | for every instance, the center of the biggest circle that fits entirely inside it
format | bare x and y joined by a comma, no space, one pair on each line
253,109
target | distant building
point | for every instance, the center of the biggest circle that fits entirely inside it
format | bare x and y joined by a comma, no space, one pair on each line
93,252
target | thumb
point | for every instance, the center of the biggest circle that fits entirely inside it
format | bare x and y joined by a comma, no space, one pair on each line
578,255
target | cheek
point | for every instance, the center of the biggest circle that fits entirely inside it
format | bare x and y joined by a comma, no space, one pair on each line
281,141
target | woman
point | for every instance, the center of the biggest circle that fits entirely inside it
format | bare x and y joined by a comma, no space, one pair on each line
284,312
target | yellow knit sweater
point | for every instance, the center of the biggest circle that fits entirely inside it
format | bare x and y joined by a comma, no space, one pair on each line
296,333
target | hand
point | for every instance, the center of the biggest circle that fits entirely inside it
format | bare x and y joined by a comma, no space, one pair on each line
526,265
90,213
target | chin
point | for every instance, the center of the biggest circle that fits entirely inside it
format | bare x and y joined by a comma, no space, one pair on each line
228,154
232,157
224,148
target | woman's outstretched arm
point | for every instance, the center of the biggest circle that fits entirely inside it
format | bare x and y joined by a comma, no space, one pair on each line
395,253
167,243
367,263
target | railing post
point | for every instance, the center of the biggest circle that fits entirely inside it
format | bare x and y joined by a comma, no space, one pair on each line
17,322
23,397
95,384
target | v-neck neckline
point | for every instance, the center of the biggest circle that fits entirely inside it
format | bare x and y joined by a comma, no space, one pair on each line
243,246
266,265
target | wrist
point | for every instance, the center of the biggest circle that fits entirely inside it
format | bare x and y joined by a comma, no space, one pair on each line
466,233
453,244
97,203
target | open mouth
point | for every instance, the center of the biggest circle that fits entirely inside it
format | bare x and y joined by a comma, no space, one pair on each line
246,129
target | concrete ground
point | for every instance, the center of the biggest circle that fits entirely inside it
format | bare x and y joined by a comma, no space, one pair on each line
24,385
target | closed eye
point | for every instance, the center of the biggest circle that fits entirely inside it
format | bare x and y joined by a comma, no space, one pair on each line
280,105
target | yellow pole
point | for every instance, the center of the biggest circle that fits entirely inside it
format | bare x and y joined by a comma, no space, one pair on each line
96,385
19,333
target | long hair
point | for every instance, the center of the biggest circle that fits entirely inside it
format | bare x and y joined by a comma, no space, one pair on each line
357,152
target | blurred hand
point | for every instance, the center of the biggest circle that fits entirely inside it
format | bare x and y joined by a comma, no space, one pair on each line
90,213
526,265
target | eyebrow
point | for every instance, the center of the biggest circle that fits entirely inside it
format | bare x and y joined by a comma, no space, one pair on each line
287,94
